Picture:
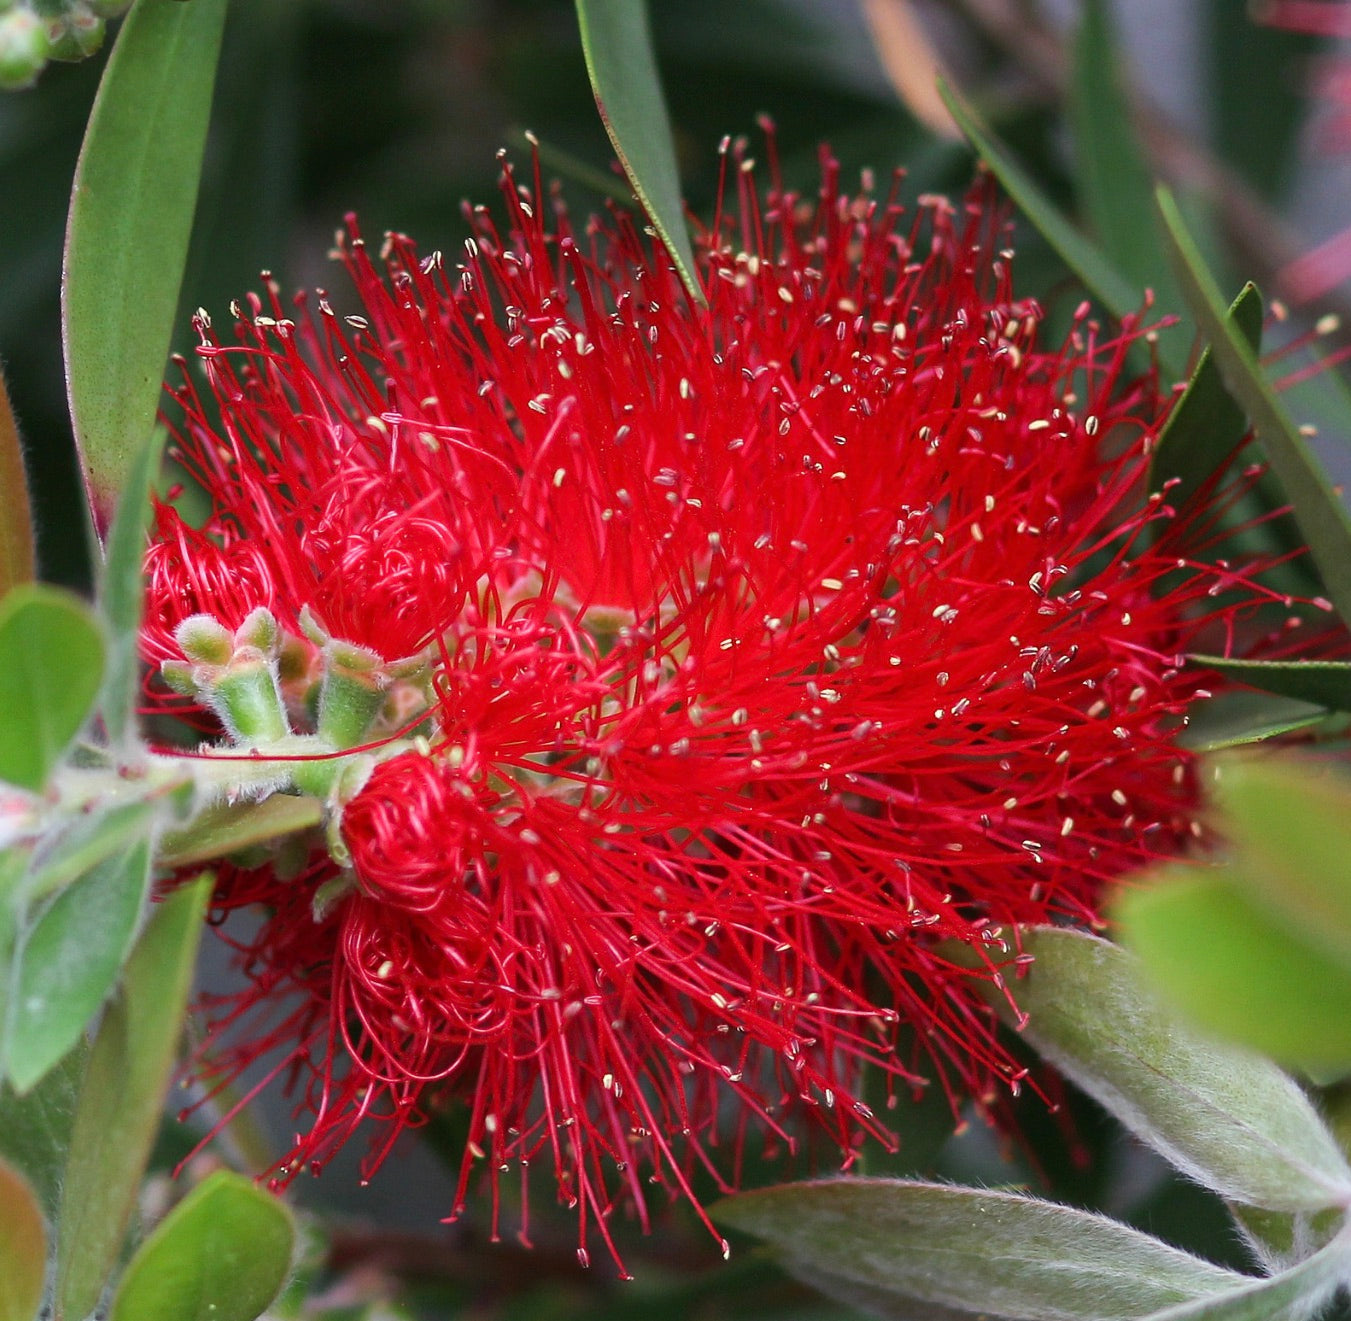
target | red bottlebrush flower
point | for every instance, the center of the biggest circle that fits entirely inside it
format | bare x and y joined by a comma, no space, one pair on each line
766,646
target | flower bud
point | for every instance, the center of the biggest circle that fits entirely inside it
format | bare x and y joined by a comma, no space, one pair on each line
79,34
205,640
261,630
24,48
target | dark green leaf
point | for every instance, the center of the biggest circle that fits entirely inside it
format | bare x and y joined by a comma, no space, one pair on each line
1236,719
1255,122
123,590
1206,426
35,1129
1320,683
973,1250
119,1108
221,1254
228,828
130,218
617,41
67,963
1227,1119
17,547
1319,510
1114,181
1217,955
51,665
23,1248
1107,284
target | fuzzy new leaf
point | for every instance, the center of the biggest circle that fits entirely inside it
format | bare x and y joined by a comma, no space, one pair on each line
1228,1119
68,960
973,1251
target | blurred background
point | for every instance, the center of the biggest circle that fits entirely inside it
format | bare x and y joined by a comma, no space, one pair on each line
395,109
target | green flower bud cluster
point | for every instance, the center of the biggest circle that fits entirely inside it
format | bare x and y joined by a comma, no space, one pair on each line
266,686
35,31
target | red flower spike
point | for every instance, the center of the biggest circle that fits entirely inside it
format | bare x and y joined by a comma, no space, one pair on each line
773,645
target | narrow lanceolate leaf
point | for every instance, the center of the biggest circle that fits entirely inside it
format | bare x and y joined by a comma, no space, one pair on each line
1084,258
23,1247
222,1254
1228,1119
1219,956
1322,683
220,831
123,590
973,1251
1318,509
51,665
1237,719
17,553
1114,181
1295,1293
617,42
120,1103
1206,426
68,960
127,238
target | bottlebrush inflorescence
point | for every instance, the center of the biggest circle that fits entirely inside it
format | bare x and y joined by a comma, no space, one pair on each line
705,674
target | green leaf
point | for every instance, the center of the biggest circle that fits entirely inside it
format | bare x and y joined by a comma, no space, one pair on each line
127,239
1206,426
18,551
123,591
222,1254
1255,122
67,963
1113,178
51,665
1237,719
617,42
81,845
35,1129
1289,823
1319,511
973,1250
23,1248
1295,1293
1220,958
1084,258
1227,1119
120,1103
1321,683
228,828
